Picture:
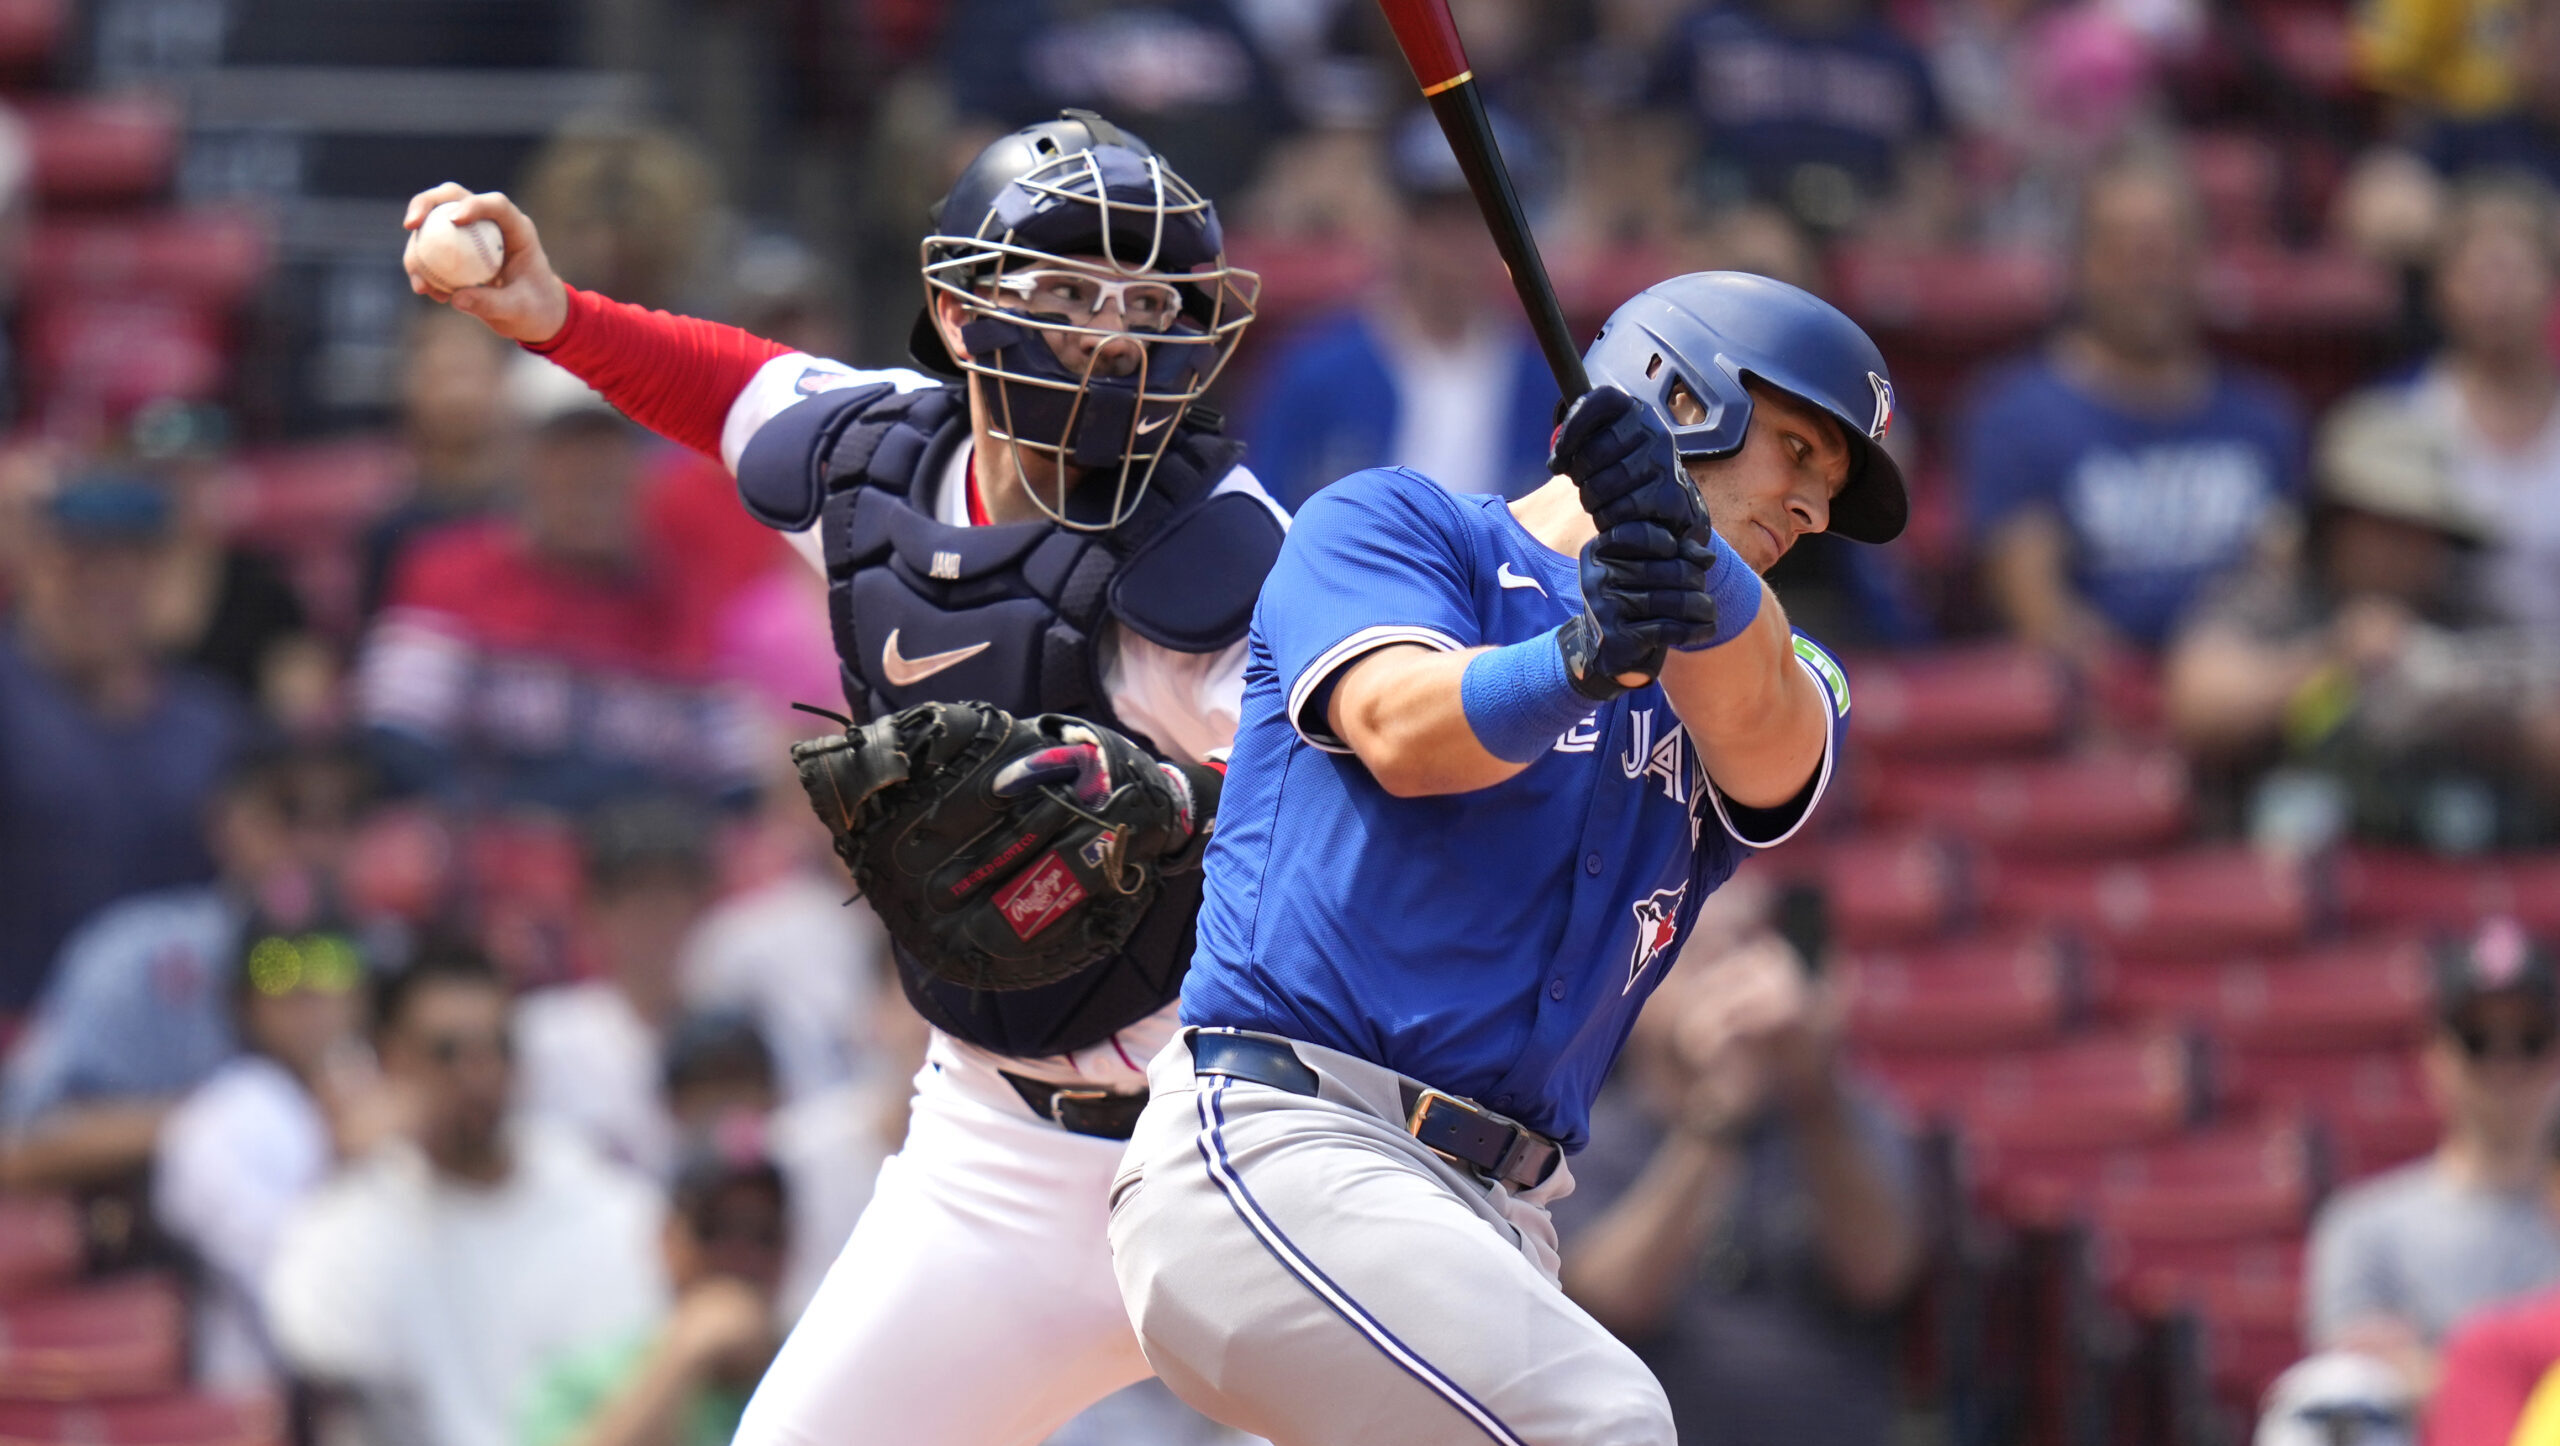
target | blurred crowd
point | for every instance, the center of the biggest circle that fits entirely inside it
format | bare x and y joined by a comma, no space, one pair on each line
419,929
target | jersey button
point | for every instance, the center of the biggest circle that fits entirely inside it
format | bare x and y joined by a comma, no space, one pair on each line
1555,989
1591,864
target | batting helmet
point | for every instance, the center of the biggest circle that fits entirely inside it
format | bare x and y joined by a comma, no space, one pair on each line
1082,194
1711,329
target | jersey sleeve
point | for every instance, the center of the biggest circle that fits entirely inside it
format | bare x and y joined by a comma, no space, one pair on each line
1380,558
1762,828
675,375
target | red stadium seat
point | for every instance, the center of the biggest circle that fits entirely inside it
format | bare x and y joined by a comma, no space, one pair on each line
1970,702
2270,290
2375,1104
2366,994
1966,994
95,149
2094,1091
2232,1182
2094,803
206,257
98,359
126,1338
2239,1277
2237,174
1946,293
40,1242
1884,889
2377,886
28,30
180,1420
2185,903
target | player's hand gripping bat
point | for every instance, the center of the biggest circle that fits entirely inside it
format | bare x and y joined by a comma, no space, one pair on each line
1429,40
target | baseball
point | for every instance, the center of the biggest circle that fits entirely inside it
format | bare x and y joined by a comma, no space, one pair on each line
457,256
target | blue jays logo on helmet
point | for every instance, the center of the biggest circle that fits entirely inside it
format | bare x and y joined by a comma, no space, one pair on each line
1711,329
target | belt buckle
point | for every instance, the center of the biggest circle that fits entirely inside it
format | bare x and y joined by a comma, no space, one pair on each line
1422,1105
1059,1101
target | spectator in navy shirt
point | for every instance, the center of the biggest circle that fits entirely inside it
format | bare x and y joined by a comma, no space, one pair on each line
1435,370
2115,473
107,755
1817,105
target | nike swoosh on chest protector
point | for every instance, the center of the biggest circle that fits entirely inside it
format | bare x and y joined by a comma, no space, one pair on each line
1508,578
907,672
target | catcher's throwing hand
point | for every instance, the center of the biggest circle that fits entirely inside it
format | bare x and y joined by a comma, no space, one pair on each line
527,302
1002,852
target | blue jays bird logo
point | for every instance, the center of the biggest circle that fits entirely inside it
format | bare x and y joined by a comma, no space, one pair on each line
1657,924
1883,422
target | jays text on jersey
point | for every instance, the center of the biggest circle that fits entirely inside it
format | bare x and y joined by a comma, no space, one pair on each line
1494,944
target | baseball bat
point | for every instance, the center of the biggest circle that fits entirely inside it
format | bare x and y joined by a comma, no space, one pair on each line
1429,39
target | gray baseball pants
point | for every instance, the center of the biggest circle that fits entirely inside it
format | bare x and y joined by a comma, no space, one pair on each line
1305,1270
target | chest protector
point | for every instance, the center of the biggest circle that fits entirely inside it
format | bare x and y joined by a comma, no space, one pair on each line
1015,615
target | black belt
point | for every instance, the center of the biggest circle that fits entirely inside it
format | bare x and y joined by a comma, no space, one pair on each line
1098,1113
1459,1130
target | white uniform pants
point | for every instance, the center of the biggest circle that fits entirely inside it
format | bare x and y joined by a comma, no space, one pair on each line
974,1304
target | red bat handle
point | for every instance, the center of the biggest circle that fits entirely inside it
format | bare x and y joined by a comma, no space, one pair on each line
1429,39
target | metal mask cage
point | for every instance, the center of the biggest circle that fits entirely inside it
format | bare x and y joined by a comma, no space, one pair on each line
1218,304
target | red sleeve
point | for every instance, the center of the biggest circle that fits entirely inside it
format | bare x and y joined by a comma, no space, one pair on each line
2491,1365
675,375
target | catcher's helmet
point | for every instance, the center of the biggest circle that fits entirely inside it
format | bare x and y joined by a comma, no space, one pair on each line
1710,329
1082,193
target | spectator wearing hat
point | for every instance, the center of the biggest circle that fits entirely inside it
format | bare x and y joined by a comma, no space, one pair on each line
107,754
243,1149
2398,1261
2341,1398
2360,659
426,1286
136,1013
594,1052
1434,369
2112,476
686,1382
548,658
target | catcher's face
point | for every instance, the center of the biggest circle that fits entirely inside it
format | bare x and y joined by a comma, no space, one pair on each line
1093,315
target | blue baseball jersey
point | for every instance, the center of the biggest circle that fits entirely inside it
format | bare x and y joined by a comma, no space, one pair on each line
1493,944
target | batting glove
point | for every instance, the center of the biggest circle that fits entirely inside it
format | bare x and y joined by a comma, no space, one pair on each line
1622,462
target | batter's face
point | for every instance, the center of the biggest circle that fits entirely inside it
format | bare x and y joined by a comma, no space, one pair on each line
1794,460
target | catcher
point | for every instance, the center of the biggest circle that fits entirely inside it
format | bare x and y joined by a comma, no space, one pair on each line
1042,518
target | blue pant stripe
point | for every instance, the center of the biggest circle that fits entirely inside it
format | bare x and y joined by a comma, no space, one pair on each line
1213,1153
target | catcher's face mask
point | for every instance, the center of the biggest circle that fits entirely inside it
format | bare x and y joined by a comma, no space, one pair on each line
1099,307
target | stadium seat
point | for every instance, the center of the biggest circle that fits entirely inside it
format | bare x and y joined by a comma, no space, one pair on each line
2267,289
1972,701
176,1420
2360,994
28,30
2229,1182
40,1242
124,1338
2194,902
2375,1104
2091,803
1945,293
2093,1091
1885,889
2237,175
211,258
2003,992
90,150
98,358
2383,887
2235,1277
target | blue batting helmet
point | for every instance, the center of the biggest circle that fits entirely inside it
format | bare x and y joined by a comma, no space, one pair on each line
1711,329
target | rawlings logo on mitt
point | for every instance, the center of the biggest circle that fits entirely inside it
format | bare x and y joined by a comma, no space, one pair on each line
1003,852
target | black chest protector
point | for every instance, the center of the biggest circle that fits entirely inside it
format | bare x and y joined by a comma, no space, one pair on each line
1015,615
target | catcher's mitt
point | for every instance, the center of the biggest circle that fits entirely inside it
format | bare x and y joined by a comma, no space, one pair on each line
1003,852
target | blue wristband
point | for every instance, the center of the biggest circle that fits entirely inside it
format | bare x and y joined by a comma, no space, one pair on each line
1736,589
1519,699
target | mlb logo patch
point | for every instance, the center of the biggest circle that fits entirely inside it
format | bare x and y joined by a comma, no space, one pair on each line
1101,848
1042,896
820,379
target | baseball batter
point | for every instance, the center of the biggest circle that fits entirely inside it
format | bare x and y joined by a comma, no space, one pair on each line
1047,524
1492,757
